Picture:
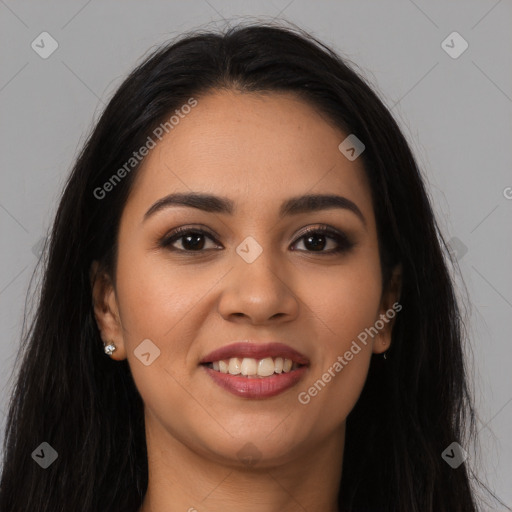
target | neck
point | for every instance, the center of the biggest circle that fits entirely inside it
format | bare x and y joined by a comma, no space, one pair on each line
182,480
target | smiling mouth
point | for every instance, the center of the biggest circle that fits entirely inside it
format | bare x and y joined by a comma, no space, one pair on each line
254,368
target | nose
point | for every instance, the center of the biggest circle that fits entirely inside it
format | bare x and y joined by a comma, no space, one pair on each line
260,292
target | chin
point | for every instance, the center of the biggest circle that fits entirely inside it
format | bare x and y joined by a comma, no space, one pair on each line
255,448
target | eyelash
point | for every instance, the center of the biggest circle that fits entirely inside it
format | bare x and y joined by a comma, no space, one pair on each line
344,244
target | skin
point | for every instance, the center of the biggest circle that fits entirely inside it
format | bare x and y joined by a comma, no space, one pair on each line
257,150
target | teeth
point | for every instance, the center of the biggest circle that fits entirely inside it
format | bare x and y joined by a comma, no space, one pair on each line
266,367
234,367
249,366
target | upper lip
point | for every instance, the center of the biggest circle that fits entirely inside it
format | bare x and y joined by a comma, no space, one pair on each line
257,351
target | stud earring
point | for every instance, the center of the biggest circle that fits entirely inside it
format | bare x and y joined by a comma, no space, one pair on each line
109,348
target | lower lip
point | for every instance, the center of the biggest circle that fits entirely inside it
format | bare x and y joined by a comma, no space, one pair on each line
260,387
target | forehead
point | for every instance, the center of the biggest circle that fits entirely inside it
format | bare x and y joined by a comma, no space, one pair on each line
254,148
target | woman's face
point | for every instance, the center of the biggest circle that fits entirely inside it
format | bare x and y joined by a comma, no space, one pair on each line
253,277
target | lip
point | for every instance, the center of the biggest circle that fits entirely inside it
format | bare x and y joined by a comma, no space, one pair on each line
257,351
257,388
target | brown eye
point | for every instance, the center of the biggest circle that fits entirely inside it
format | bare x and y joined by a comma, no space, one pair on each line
321,240
317,239
191,240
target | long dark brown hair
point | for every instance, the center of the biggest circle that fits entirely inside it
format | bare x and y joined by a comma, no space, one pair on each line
86,406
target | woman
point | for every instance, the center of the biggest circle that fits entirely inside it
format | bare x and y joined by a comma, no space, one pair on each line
245,304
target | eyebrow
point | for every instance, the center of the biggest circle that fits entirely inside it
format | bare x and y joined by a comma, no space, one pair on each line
293,206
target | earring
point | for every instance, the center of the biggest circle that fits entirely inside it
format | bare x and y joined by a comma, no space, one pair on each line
385,355
110,348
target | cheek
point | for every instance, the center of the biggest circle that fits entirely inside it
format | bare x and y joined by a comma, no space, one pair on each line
155,295
346,299
167,304
345,303
353,307
154,300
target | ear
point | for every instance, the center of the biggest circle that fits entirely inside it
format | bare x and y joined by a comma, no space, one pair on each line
106,311
389,308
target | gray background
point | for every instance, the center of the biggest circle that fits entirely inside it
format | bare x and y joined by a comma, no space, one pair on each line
456,113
